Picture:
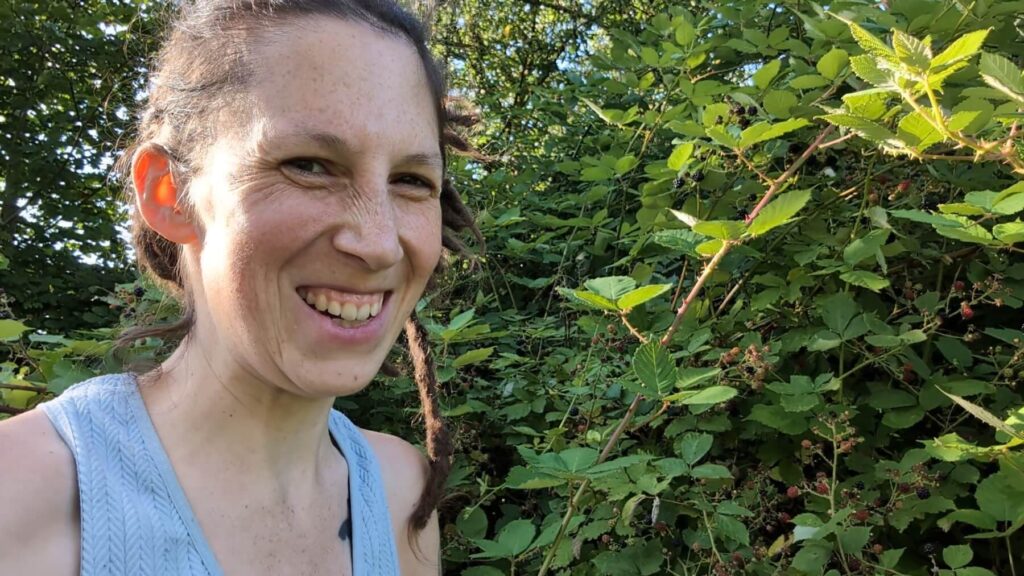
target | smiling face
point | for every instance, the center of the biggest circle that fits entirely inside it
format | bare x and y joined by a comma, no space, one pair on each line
320,218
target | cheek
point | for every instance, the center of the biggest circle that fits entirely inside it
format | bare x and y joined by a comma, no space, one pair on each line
424,240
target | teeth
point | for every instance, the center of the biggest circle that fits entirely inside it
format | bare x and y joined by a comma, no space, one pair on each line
334,308
348,311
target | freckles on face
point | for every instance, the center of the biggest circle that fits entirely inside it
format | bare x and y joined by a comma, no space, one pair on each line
334,185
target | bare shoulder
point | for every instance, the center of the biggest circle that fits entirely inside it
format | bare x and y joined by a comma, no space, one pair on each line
39,528
405,470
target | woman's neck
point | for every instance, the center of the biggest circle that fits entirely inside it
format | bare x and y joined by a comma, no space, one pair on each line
217,420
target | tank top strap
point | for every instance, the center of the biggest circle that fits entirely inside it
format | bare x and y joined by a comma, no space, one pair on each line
373,543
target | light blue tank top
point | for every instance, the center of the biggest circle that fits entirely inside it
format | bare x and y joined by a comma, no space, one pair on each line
135,516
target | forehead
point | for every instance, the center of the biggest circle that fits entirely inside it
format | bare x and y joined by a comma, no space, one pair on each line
345,78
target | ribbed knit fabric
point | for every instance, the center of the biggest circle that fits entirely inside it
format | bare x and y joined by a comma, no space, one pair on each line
135,516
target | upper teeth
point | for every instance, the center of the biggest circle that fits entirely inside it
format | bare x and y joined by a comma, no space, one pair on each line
355,307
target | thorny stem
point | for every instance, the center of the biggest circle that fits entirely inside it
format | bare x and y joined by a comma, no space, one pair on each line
624,316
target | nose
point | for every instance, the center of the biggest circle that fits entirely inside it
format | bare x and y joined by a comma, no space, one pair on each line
370,231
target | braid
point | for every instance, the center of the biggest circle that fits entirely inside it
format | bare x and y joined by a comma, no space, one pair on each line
439,444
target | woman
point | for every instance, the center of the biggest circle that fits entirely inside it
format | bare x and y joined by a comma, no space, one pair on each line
289,186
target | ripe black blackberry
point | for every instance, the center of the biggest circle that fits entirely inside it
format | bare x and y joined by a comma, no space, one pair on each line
752,110
574,411
697,176
923,493
139,291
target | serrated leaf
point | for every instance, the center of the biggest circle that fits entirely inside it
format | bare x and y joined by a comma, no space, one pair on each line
472,357
984,415
721,229
693,446
784,207
962,48
865,247
517,535
968,231
910,50
918,132
710,395
690,377
680,155
870,104
654,368
710,471
590,299
764,131
719,135
808,81
11,329
1008,205
869,42
709,248
925,218
999,73
863,126
764,76
611,287
865,279
625,164
778,103
832,63
865,66
957,556
636,297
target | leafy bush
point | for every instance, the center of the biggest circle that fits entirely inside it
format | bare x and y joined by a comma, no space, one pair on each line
751,300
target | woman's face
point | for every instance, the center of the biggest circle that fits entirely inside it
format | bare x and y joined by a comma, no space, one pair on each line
321,219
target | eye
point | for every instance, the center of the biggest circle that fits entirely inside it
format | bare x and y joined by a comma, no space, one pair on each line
416,181
306,165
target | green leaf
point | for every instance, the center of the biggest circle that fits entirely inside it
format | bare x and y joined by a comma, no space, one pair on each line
863,126
776,213
710,395
680,155
985,416
709,248
832,63
11,329
611,287
808,81
955,351
1001,496
711,471
812,556
589,299
865,279
693,446
763,131
925,218
640,295
517,535
865,247
472,357
1009,205
867,69
625,164
655,369
721,229
918,132
968,231
869,42
870,104
472,523
911,51
854,538
719,135
957,556
837,310
962,48
1009,232
578,459
764,76
999,73
690,377
778,103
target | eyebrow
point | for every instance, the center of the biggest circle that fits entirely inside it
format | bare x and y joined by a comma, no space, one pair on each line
341,146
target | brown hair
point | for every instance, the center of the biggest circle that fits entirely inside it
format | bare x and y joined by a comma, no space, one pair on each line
201,69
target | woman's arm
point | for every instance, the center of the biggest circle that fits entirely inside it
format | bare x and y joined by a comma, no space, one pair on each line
39,525
405,473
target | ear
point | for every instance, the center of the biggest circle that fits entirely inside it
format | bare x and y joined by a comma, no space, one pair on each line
156,196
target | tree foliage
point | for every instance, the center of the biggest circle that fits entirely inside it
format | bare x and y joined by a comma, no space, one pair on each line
751,300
